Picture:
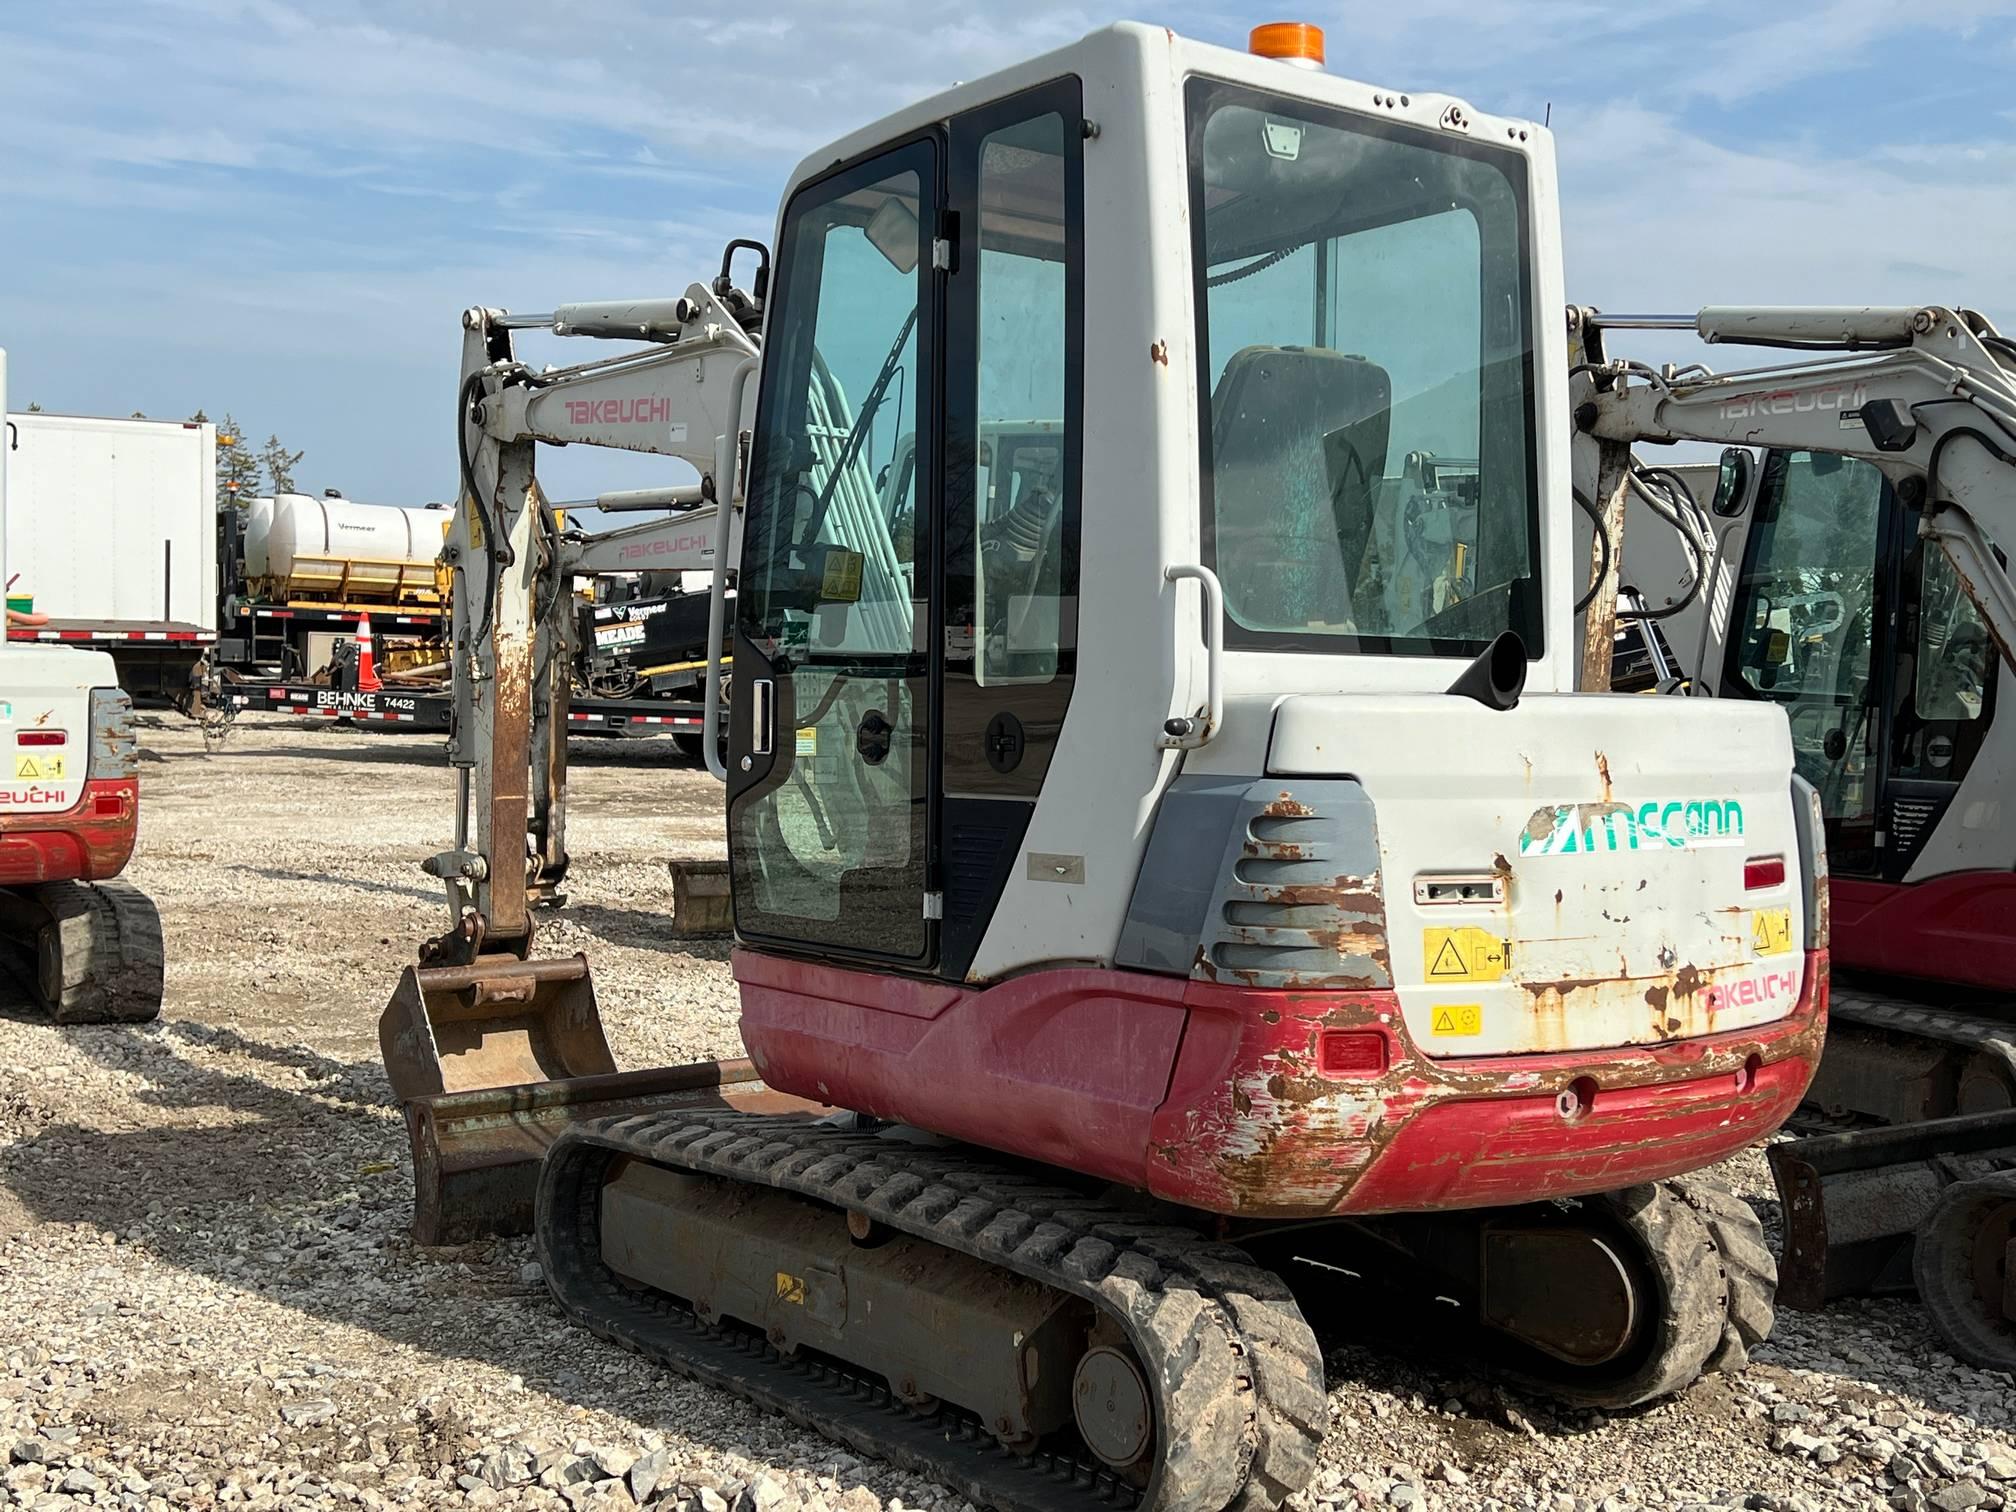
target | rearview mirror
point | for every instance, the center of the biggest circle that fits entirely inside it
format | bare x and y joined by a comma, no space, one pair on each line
1732,484
892,231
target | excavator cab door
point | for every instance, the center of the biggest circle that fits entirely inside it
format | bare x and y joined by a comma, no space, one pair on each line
905,635
830,738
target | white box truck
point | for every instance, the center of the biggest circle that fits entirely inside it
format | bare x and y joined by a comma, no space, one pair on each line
112,530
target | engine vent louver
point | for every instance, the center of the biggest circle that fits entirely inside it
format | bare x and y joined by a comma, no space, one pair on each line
1302,906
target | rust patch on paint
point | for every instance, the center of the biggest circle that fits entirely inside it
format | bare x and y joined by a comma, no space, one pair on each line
1159,353
1603,775
1297,1089
1275,1138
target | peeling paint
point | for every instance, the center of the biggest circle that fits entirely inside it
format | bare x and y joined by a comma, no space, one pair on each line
1275,1137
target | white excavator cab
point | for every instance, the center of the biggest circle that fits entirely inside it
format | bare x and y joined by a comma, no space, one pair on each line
1294,343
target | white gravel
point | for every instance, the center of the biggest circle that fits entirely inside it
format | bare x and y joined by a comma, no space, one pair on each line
207,1296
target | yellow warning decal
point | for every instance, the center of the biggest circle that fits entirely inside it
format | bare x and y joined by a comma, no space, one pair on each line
1771,931
1458,1018
808,741
1464,955
790,1288
840,577
48,768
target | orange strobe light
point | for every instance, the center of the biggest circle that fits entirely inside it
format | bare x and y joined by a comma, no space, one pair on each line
1294,42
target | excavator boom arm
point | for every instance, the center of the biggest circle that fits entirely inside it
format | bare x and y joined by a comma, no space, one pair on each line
1933,407
681,397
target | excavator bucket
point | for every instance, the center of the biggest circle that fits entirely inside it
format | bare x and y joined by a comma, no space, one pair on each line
1854,1202
492,1024
491,1061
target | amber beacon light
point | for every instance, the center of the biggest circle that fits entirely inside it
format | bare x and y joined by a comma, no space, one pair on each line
1294,42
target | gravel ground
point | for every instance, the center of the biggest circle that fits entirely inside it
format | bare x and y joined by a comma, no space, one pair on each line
207,1295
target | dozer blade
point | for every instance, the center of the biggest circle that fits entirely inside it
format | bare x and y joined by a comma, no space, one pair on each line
491,1062
1854,1202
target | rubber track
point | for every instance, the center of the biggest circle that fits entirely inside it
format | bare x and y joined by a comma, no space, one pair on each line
1942,1265
1234,1367
1749,1269
1944,1026
109,966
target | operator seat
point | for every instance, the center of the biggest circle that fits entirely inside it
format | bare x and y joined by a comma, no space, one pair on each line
1299,449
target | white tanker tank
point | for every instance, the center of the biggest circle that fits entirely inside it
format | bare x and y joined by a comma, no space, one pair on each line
258,527
334,550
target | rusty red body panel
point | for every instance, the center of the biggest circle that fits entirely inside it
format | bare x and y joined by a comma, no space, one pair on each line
87,842
1216,1096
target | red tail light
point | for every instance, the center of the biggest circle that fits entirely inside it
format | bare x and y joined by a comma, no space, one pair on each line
1764,871
1344,1053
40,737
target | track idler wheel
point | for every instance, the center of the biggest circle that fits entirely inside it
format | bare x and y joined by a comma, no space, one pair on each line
1112,1406
1965,1267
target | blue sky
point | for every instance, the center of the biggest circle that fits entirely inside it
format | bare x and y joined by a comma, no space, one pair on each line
281,209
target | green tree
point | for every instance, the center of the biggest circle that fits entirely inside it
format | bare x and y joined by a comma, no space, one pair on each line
280,465
237,466
34,408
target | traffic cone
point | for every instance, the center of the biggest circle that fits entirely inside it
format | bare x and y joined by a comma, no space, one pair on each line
367,672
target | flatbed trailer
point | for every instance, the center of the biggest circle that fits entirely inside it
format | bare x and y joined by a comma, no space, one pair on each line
156,658
429,709
256,634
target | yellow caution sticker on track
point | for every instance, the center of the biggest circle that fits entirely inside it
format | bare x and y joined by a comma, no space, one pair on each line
44,768
1457,1018
1464,955
1771,931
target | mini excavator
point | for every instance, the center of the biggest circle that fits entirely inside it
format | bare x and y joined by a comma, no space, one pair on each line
1178,891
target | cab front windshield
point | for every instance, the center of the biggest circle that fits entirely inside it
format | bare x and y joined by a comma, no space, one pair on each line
1368,468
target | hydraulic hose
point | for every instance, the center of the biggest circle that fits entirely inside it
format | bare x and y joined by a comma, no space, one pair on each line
493,544
1677,488
1602,542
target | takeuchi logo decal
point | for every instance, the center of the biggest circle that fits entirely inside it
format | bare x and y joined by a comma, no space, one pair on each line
1679,824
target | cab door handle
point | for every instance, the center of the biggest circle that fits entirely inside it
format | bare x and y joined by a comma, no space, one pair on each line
762,717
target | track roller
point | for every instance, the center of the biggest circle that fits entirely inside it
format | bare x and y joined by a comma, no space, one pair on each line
97,949
1965,1267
